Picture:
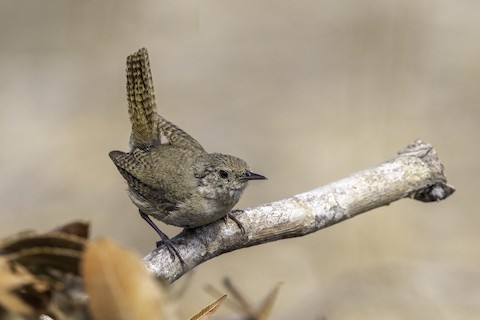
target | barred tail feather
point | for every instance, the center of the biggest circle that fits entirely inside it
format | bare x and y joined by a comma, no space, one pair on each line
141,101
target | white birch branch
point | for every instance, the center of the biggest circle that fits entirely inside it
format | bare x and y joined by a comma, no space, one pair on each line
415,173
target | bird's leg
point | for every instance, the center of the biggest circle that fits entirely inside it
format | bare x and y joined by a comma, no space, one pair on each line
231,216
165,239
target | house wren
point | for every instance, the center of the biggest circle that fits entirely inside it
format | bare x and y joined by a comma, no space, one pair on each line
175,181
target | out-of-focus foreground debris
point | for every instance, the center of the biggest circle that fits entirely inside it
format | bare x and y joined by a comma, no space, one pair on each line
62,275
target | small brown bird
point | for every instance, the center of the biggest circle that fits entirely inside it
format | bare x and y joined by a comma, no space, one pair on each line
175,181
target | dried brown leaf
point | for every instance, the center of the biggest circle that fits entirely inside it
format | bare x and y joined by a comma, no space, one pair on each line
206,312
77,228
20,291
9,282
40,260
119,285
24,241
41,252
37,271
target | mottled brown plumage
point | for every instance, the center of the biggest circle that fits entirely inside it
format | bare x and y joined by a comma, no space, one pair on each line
169,174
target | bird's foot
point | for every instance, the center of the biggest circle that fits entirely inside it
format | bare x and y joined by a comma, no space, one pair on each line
171,248
165,239
231,216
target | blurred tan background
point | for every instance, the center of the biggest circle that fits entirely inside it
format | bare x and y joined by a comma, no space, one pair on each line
306,91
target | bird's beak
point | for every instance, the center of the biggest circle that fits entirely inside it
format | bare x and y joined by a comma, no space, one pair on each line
251,176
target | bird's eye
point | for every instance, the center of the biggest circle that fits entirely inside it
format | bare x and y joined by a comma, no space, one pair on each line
223,174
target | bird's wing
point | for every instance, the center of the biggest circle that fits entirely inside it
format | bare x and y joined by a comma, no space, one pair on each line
176,136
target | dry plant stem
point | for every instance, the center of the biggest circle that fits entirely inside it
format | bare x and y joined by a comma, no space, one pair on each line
415,173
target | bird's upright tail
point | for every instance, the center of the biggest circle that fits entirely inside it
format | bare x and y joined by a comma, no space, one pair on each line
141,102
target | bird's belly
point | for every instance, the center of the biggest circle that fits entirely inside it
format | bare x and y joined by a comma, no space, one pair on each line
190,213
190,218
